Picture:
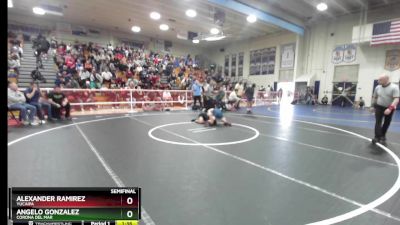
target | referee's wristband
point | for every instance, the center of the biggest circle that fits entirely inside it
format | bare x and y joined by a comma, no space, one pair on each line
391,107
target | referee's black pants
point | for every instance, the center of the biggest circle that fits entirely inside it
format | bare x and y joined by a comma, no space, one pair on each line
380,130
197,98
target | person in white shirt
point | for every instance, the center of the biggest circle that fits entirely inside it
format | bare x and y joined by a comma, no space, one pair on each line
384,103
102,57
239,87
233,100
110,47
85,76
166,96
69,47
20,52
17,101
107,75
131,85
104,87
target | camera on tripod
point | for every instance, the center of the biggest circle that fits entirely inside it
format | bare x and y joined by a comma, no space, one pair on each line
37,75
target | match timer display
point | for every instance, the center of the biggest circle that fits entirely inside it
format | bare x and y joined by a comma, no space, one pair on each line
73,206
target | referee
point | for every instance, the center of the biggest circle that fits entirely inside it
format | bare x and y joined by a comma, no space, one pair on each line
385,100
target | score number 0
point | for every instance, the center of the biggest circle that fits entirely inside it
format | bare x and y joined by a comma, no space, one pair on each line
129,201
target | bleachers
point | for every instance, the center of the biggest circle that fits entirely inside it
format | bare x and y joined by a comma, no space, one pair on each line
29,64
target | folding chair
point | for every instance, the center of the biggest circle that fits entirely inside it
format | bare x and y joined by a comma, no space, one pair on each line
13,118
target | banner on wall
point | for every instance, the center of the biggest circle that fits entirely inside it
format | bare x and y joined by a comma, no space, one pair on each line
262,61
79,30
159,45
392,61
258,53
233,66
349,53
226,70
252,63
337,54
64,27
287,56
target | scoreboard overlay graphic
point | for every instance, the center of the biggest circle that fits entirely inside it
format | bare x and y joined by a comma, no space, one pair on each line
73,206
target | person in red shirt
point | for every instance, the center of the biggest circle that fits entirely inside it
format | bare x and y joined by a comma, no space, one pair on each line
70,62
154,79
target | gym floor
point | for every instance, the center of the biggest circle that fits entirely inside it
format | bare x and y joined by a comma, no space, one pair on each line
278,166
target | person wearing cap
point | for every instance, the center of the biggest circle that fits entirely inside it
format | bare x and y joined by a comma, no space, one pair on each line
59,101
384,102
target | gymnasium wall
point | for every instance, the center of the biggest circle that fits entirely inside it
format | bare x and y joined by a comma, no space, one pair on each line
320,40
246,46
313,57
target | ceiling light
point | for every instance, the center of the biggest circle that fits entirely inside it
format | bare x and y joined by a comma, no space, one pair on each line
155,15
38,10
195,41
136,29
164,27
214,38
10,4
214,31
191,13
54,13
322,6
251,18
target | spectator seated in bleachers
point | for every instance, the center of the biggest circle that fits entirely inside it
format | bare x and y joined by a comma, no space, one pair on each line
14,63
82,65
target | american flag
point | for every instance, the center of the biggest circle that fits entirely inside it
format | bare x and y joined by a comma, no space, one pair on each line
386,33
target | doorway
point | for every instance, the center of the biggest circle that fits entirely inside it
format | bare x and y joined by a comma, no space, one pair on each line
287,91
344,93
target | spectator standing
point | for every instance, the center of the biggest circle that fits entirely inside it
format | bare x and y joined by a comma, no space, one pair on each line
249,97
207,94
280,94
197,91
